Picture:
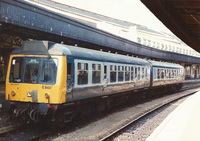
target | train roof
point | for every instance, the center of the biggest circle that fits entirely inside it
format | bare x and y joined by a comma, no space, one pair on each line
165,64
51,48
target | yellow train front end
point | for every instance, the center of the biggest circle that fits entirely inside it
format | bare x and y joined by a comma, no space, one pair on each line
36,79
35,83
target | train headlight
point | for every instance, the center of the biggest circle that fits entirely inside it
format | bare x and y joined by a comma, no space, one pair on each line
13,93
47,95
29,94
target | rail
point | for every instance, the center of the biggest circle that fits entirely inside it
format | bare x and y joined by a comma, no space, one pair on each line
121,129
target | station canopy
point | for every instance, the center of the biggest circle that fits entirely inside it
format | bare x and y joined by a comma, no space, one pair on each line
182,17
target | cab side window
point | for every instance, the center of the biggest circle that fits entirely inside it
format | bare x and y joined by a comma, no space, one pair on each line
69,71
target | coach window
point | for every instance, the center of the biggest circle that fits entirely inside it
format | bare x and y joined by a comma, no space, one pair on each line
113,73
82,73
154,73
146,72
132,73
175,74
172,74
135,74
179,73
139,73
167,73
120,73
162,74
96,73
105,71
127,73
158,73
142,73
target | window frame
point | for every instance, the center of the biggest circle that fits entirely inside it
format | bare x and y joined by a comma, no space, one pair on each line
90,63
131,69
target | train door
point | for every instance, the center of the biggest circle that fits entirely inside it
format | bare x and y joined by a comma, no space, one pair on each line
152,75
105,77
70,76
146,76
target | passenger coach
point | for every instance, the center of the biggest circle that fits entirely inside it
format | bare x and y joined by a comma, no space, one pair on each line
166,75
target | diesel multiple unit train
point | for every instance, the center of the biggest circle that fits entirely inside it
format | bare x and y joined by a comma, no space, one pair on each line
44,76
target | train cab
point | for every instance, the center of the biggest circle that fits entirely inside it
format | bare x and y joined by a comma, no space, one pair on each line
36,75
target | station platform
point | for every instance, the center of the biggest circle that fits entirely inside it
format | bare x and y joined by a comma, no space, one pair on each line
183,124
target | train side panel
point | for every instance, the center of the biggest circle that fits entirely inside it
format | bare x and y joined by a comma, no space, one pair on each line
94,78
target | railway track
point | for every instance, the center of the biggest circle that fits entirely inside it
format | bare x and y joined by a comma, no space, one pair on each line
43,135
22,133
7,129
39,137
120,130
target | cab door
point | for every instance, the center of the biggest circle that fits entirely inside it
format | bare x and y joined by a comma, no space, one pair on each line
70,77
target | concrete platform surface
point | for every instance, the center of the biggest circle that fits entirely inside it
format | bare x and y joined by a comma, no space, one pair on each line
183,124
